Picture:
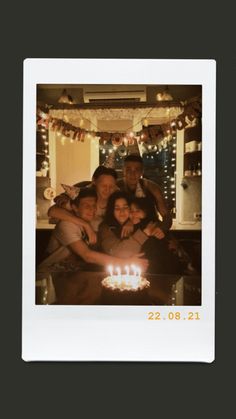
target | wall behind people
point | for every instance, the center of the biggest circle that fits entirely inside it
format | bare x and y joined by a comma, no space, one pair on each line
71,163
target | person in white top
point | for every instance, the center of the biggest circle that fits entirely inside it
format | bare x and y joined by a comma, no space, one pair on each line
69,242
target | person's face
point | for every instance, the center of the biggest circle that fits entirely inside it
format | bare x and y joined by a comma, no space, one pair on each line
105,186
132,173
121,210
86,208
136,214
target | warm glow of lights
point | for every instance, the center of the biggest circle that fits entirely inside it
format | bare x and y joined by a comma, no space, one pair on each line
131,280
110,270
127,270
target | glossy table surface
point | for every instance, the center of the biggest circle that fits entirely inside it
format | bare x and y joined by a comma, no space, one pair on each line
85,288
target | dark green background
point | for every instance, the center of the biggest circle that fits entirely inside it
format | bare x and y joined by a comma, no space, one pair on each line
112,30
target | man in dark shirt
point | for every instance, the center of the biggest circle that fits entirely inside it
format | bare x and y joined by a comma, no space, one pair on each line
134,183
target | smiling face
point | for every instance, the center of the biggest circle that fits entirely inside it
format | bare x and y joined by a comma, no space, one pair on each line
121,210
86,208
136,214
105,186
133,171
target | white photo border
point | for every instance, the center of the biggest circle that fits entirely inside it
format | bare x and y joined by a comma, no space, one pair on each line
113,333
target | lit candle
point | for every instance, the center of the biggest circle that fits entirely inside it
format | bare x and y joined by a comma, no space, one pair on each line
110,270
118,270
134,269
127,270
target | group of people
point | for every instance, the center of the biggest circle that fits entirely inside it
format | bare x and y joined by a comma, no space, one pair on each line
113,222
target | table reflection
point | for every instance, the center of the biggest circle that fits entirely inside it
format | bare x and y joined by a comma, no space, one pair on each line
84,288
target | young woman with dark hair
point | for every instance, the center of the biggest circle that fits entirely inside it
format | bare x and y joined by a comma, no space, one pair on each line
120,209
110,231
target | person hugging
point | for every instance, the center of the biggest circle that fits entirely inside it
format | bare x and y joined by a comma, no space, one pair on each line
161,259
123,209
70,242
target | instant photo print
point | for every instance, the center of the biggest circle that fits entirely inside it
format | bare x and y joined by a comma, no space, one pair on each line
118,210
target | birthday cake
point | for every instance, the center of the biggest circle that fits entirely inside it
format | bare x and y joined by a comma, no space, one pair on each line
125,290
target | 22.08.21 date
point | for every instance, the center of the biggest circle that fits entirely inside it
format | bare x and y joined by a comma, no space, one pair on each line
173,315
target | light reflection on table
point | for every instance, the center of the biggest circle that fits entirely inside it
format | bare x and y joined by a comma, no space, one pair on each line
84,288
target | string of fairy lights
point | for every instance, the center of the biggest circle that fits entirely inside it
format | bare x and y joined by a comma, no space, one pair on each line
44,141
156,143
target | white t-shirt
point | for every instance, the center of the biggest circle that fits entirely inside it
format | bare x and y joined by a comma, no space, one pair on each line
65,233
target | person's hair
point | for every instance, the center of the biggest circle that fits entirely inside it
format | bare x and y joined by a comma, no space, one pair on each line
84,193
148,207
109,218
133,158
102,170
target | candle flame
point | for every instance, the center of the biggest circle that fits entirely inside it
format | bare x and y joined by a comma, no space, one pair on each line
125,281
110,270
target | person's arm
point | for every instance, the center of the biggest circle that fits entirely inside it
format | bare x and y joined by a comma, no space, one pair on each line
112,245
155,190
127,229
63,214
80,248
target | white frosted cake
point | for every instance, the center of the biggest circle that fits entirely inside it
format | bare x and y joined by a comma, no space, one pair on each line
125,290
